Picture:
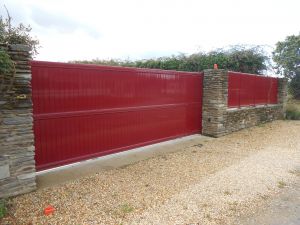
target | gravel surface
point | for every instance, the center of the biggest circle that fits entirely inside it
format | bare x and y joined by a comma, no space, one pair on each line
213,183
283,209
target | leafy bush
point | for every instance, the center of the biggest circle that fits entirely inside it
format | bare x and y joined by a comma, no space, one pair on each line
237,58
3,209
10,34
294,86
19,34
6,71
6,64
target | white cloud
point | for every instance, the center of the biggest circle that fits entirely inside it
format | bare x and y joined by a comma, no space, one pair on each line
137,28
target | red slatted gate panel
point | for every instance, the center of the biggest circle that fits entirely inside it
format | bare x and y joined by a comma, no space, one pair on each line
251,90
85,111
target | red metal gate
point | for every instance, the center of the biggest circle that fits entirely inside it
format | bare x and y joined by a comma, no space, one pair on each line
85,111
250,89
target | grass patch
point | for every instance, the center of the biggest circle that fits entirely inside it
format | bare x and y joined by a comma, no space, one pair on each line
3,208
295,172
208,216
262,124
227,193
122,210
292,114
233,206
126,208
264,197
233,203
293,109
281,184
205,205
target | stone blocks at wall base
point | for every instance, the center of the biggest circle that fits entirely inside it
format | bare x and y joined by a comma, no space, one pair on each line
219,120
237,119
17,165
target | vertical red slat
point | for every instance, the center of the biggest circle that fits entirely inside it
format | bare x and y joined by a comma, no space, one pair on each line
273,92
233,90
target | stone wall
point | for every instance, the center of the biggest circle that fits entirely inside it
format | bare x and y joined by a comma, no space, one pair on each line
218,119
17,165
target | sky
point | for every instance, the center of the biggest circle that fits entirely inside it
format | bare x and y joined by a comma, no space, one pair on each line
140,29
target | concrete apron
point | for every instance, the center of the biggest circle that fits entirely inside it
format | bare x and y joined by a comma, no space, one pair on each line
59,175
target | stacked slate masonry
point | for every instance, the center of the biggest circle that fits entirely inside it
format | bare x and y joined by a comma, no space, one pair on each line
17,165
218,119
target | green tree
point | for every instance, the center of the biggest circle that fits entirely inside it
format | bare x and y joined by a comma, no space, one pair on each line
287,56
287,59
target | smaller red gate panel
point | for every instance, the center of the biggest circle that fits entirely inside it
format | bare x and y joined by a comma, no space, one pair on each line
85,111
250,90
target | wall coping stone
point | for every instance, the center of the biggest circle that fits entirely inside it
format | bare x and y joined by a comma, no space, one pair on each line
252,107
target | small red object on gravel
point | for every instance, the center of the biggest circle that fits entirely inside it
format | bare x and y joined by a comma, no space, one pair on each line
49,210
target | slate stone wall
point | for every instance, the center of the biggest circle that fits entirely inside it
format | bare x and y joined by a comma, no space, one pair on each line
219,120
17,165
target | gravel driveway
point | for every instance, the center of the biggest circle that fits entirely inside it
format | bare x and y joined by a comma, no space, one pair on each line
214,183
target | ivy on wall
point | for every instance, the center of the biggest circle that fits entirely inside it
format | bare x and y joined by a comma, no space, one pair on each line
7,71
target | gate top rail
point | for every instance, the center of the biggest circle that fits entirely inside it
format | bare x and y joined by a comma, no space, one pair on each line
44,64
250,74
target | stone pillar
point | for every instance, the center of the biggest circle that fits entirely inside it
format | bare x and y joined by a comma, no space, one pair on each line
17,165
215,92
